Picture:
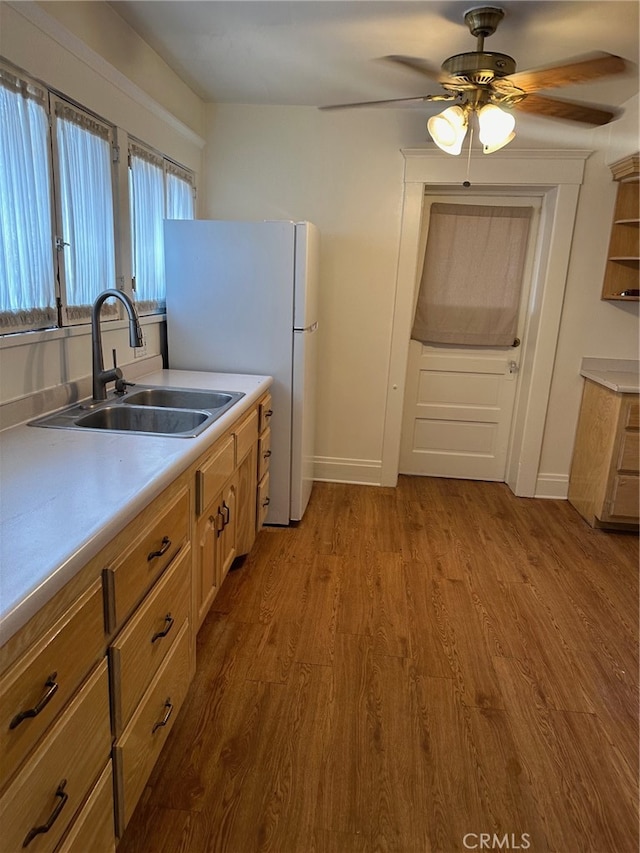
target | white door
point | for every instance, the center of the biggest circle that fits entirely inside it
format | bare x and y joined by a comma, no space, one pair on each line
459,400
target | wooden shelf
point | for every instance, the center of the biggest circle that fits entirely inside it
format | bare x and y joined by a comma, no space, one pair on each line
622,271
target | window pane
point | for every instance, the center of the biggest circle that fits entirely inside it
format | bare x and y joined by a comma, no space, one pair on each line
87,214
27,281
146,200
180,202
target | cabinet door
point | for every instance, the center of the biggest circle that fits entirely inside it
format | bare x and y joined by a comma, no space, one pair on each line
206,559
227,540
246,503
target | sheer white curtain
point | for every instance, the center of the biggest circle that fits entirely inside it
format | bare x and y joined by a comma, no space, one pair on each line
180,201
27,294
472,275
84,154
146,204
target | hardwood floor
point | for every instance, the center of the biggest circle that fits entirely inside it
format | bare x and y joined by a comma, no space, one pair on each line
407,669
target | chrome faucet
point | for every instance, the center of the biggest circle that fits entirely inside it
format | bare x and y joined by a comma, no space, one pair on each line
100,375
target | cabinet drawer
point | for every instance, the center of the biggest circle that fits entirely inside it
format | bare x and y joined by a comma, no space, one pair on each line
264,453
246,436
94,828
265,412
137,750
629,452
55,782
37,687
214,473
139,650
625,501
128,579
263,501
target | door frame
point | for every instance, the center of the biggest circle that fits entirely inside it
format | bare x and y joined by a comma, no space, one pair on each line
556,175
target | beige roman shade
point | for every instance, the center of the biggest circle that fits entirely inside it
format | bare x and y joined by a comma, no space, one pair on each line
472,275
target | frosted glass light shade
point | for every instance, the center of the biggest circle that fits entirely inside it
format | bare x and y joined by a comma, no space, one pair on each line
496,128
448,129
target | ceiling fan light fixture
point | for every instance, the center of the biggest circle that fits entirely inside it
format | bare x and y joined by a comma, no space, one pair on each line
496,128
448,129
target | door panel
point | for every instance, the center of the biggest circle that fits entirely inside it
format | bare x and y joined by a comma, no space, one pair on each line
459,401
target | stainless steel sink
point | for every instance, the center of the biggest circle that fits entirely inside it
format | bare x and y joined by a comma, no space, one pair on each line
165,421
180,412
182,398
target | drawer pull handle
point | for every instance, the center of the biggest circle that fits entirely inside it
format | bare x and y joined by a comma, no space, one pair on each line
266,455
45,827
266,502
168,621
227,512
166,544
268,413
163,722
52,685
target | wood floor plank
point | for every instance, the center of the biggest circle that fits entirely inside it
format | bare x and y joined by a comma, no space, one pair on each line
318,631
346,787
404,667
427,646
469,657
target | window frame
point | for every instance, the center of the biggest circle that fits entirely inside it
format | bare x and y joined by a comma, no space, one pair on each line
68,316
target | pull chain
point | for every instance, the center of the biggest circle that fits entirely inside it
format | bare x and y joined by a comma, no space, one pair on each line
467,183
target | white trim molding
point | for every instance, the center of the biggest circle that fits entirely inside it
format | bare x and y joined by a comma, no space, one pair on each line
40,18
331,469
554,175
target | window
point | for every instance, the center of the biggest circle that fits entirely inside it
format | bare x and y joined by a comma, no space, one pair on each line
63,233
86,222
27,279
158,190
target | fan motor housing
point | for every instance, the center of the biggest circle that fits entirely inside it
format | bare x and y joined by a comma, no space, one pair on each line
479,67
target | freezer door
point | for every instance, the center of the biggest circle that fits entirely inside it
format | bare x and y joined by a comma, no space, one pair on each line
303,420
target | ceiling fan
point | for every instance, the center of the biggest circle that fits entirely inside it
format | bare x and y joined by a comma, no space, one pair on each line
487,84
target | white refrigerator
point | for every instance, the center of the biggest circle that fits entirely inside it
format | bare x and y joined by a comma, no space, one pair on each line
242,298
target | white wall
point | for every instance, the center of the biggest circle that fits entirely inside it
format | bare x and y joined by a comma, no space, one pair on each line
70,52
344,172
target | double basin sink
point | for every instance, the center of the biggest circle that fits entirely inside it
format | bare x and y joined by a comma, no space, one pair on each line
149,410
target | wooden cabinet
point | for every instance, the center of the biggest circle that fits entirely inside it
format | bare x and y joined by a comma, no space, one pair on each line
39,685
91,686
621,279
51,787
604,483
130,575
264,456
137,750
225,505
148,606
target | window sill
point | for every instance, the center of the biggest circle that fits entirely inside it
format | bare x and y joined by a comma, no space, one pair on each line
18,339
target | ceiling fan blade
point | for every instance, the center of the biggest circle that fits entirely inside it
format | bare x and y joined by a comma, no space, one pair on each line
580,70
568,110
421,66
421,99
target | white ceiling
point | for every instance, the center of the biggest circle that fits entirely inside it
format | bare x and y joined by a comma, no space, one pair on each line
315,52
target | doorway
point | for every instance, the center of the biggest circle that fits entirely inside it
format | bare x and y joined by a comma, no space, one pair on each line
459,399
556,177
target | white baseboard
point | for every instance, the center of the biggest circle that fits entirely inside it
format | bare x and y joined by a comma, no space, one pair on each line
339,470
555,486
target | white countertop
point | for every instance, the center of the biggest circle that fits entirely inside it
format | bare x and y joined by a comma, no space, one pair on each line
617,374
66,493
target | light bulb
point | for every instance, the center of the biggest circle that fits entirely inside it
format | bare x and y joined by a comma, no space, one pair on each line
496,128
448,129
